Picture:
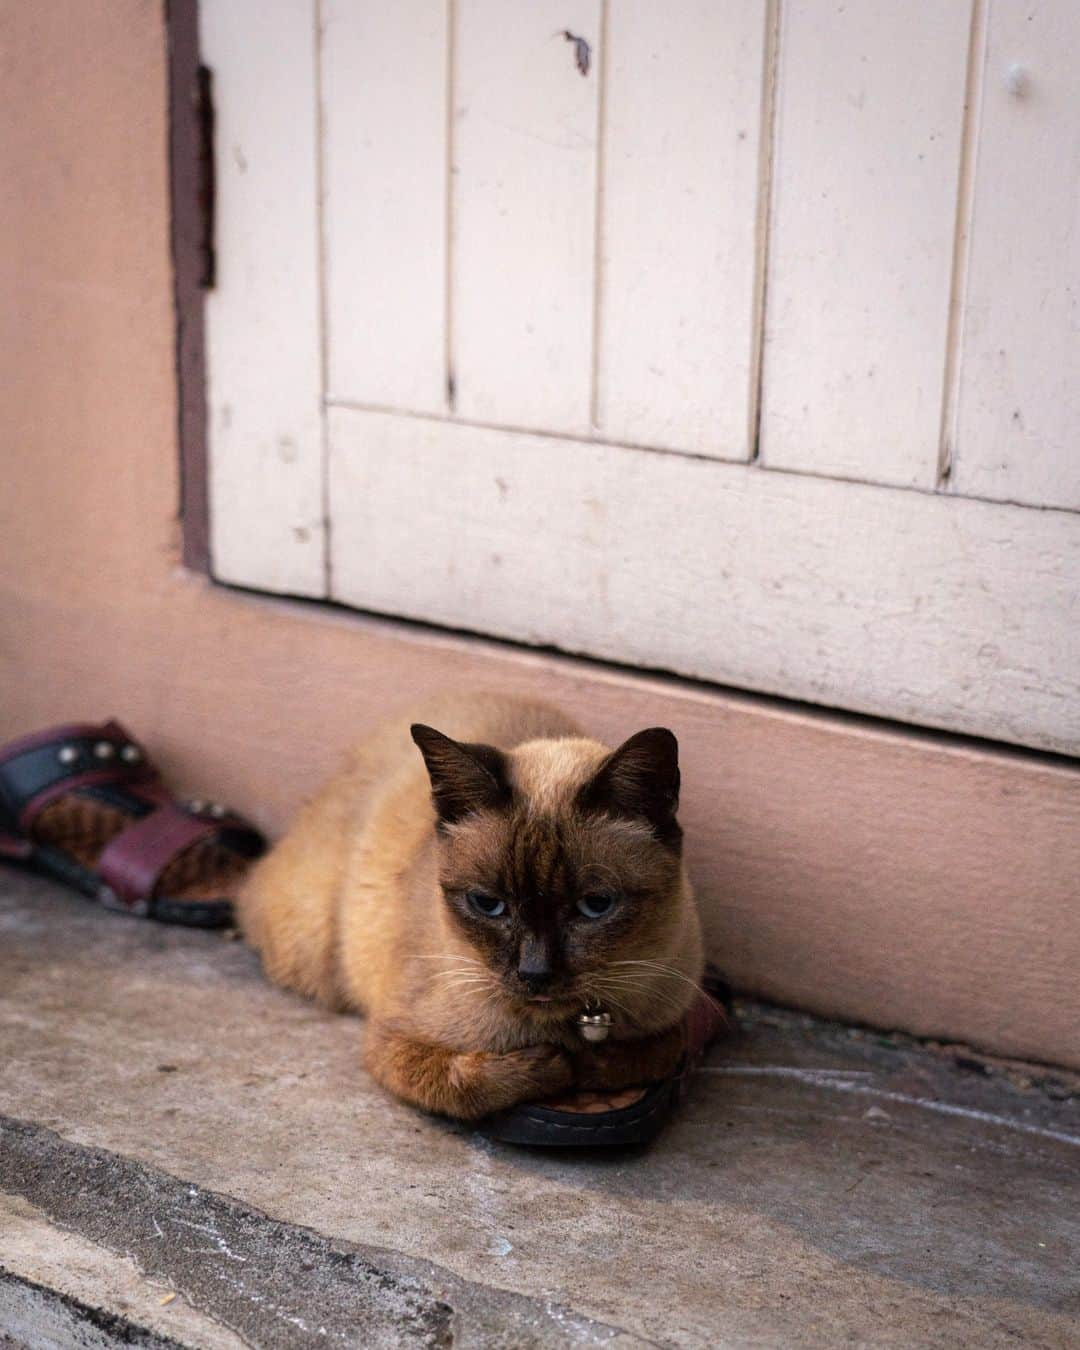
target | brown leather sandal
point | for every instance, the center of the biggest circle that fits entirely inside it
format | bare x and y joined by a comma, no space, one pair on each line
83,803
633,1115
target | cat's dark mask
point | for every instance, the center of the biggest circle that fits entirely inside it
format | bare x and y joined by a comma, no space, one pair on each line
549,887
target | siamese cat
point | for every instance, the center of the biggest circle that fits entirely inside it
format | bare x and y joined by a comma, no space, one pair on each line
473,890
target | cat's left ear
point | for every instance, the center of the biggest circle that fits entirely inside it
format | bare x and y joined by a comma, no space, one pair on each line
640,780
464,777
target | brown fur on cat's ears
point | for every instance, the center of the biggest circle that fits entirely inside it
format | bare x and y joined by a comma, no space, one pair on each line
375,901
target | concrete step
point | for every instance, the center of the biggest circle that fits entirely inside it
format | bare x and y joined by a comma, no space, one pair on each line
174,1125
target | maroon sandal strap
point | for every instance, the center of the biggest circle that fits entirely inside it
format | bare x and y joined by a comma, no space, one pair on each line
131,864
105,763
705,1019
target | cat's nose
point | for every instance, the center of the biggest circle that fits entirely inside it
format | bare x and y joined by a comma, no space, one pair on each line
534,964
535,980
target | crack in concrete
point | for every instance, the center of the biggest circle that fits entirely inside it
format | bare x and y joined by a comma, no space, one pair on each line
272,1283
832,1080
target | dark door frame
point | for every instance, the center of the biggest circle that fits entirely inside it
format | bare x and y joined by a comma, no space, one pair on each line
191,187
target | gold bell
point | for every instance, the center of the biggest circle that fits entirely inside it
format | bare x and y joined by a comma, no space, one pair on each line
594,1026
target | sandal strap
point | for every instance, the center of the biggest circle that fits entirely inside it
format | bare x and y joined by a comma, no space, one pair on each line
131,864
704,1021
37,769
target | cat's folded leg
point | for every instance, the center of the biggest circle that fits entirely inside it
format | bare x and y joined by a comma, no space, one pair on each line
466,1085
619,1064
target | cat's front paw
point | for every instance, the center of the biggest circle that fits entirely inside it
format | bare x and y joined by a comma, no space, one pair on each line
548,1068
485,1082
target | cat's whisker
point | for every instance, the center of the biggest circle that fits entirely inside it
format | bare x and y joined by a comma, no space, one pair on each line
646,1001
671,996
663,966
645,984
605,986
609,997
488,1002
651,992
445,956
660,968
466,981
481,1007
642,983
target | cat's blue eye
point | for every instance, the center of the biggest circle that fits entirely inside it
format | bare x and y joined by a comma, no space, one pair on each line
595,906
489,906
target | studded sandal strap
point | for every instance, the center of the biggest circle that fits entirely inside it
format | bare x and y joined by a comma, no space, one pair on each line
37,769
132,862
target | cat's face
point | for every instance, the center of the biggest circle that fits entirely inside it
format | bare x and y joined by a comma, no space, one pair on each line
558,860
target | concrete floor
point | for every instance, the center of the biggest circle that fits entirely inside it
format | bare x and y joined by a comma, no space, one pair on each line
171,1125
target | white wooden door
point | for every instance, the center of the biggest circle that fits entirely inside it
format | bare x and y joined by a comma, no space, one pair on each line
735,338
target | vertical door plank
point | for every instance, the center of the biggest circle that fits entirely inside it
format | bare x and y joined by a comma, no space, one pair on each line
869,127
384,87
264,388
682,123
1019,391
524,154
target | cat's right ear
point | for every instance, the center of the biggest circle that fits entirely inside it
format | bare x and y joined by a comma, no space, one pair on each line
464,777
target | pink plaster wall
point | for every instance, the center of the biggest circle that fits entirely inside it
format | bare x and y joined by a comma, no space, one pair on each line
876,875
